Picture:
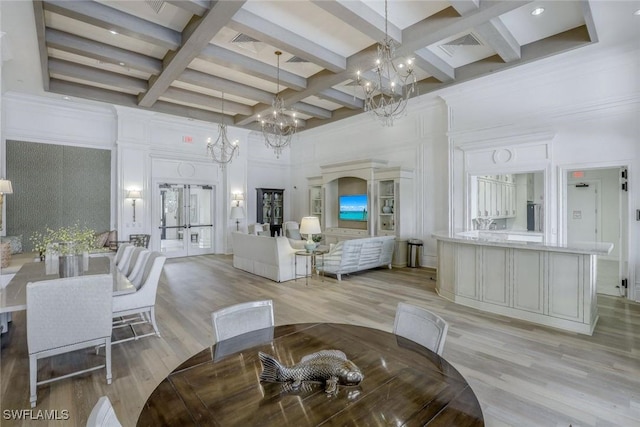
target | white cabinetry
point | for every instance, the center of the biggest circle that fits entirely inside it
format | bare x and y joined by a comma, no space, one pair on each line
496,196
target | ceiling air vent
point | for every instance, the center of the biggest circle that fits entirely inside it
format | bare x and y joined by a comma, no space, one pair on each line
156,5
296,59
468,40
246,42
243,38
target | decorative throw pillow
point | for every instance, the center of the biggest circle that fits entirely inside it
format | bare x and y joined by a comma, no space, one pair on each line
294,233
5,254
101,239
113,237
15,242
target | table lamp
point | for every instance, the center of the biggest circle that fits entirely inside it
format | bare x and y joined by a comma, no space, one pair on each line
237,213
310,225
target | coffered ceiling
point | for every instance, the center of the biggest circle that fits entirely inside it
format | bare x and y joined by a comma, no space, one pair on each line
180,56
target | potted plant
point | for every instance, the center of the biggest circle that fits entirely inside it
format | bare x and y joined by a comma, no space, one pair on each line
69,244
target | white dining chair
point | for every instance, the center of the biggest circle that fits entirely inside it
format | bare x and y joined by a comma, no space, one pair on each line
120,252
421,326
123,262
241,318
141,302
65,315
135,270
103,414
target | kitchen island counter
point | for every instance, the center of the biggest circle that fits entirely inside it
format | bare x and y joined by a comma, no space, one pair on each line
520,276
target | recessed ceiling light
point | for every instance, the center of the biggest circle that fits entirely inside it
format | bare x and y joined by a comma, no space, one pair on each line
637,12
114,32
122,64
66,98
537,11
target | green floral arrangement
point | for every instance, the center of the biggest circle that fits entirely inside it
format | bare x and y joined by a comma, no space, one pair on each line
316,238
66,240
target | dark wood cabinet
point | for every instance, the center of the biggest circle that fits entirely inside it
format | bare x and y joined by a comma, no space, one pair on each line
270,204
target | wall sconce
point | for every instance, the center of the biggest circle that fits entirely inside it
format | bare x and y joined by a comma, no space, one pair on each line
133,195
238,197
5,188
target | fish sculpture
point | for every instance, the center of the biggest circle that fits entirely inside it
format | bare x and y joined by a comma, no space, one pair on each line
330,367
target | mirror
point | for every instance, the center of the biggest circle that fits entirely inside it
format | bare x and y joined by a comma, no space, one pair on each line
507,202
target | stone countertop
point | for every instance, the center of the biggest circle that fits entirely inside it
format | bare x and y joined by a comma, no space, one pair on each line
521,240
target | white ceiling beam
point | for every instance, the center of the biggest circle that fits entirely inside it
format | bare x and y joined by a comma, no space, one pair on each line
195,7
249,92
500,39
102,52
90,74
38,12
465,6
241,63
361,17
440,26
77,90
224,85
311,110
428,61
195,37
266,31
341,98
102,16
189,97
588,20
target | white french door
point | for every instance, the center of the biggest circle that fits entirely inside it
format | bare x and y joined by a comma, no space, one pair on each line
186,219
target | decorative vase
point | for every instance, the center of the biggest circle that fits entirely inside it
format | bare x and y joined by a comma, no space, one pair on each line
386,209
310,247
70,265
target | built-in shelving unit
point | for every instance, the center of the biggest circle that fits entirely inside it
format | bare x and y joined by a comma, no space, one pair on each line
390,200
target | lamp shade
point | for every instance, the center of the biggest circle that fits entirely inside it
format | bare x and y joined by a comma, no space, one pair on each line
310,225
134,194
237,212
238,197
5,186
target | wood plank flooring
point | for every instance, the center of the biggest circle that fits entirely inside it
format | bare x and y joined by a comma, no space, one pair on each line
522,374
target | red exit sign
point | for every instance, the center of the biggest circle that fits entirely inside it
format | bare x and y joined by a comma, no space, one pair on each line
578,174
187,139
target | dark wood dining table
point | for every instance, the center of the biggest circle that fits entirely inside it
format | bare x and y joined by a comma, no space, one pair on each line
404,384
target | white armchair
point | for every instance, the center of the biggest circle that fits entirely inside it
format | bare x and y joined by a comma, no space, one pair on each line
65,315
143,301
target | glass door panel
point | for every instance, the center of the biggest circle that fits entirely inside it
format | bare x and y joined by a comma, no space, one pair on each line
186,219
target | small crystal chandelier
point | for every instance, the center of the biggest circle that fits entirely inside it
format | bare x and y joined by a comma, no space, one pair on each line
387,94
279,127
222,151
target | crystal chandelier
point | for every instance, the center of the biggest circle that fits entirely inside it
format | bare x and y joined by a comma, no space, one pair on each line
278,127
222,151
388,91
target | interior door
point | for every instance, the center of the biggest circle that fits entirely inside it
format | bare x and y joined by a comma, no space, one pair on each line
186,219
582,213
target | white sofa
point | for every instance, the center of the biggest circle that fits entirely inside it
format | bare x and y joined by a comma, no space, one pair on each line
349,256
270,257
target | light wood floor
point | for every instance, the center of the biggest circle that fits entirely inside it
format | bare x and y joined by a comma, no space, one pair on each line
522,374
